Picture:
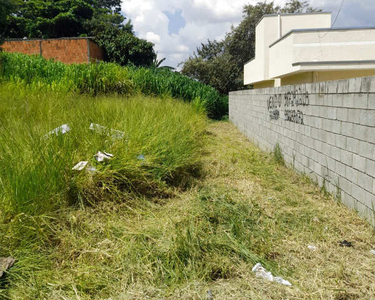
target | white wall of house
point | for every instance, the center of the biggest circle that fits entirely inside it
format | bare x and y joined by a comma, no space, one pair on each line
270,29
345,49
303,48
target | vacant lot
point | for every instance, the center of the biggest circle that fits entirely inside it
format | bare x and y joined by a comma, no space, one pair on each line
197,240
180,208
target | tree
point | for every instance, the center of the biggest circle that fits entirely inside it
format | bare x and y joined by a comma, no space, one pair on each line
220,64
124,48
295,6
72,18
6,8
119,41
49,19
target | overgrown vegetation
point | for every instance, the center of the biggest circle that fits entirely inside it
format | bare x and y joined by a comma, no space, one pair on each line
201,242
94,79
150,148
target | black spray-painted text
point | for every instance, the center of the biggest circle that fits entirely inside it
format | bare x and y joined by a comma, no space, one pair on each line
289,102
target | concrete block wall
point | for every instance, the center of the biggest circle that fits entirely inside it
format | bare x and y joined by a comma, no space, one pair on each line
325,130
66,50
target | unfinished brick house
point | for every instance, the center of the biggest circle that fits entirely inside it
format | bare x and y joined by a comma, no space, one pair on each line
67,50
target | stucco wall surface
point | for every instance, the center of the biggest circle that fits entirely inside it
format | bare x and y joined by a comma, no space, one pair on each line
325,130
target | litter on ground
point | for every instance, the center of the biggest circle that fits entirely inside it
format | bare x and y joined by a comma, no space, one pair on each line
92,170
263,273
345,243
5,264
141,157
311,247
59,130
101,156
80,166
115,134
98,128
372,251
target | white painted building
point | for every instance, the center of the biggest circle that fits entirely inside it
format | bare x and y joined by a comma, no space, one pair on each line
303,48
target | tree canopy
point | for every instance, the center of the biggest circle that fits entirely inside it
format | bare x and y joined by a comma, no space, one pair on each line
6,8
220,63
101,19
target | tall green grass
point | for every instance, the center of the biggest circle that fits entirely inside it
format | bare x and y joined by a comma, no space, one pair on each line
100,78
163,81
36,173
36,72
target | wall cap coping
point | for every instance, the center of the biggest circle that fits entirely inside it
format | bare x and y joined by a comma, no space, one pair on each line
270,90
334,62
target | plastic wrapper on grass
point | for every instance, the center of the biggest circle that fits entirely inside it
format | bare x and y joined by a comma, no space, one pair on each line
263,273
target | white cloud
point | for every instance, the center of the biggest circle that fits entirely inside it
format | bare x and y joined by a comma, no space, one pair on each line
205,19
212,19
152,37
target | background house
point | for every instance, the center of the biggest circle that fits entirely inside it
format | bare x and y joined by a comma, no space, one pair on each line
303,48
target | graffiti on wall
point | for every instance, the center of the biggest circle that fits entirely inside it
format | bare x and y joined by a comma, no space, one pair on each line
290,103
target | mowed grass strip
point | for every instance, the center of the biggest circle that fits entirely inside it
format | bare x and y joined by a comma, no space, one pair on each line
203,241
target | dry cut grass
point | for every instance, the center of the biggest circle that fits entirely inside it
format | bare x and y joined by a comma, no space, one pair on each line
295,213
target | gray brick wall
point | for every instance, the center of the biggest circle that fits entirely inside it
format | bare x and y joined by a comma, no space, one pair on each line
326,130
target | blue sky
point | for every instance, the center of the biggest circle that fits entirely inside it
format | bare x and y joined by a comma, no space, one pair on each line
176,21
177,27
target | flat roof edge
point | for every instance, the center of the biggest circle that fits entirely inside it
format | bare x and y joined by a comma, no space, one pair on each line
293,14
333,62
320,29
262,80
249,61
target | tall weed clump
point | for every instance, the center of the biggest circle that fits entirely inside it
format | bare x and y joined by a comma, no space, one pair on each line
152,81
101,78
36,72
155,142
